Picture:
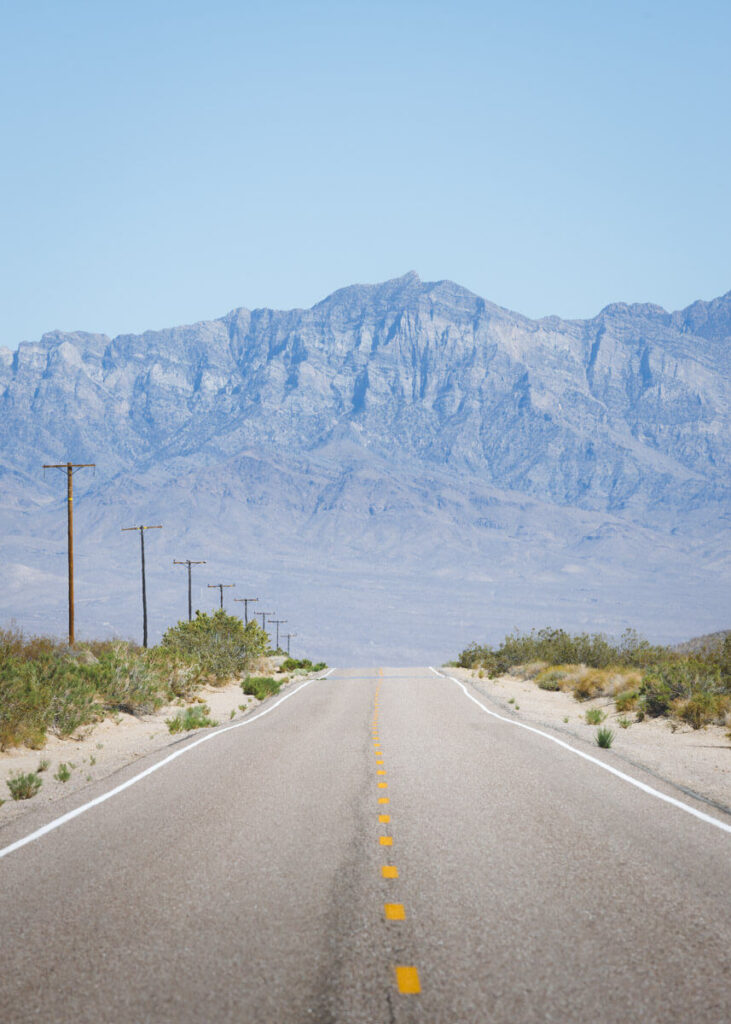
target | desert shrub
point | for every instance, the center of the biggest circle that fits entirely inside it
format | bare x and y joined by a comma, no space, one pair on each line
47,687
702,708
692,687
260,687
649,679
196,717
221,644
24,786
594,716
63,773
557,646
556,677
626,700
604,737
302,664
128,680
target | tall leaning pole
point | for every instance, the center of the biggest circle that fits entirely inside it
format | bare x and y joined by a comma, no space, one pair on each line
69,468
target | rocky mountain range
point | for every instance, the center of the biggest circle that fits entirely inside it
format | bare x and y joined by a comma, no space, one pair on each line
396,471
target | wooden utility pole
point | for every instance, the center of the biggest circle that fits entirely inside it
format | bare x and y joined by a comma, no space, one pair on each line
142,529
220,587
69,467
263,619
278,622
188,562
288,637
247,601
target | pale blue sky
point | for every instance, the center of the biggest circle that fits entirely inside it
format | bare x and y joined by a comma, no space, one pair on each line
165,162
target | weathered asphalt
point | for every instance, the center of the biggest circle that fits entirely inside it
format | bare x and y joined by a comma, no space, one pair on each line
243,881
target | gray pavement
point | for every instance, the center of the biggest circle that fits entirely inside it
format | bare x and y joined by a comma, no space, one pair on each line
244,880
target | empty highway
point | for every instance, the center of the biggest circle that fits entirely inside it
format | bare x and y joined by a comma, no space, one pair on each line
371,847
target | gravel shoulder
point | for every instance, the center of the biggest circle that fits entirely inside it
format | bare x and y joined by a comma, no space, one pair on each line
100,750
697,761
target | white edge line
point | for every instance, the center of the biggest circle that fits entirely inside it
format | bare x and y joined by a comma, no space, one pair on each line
58,822
594,760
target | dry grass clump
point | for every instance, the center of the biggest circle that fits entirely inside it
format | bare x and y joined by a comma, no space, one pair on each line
529,671
586,682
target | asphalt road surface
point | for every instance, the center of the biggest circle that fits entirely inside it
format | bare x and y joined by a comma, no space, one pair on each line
374,848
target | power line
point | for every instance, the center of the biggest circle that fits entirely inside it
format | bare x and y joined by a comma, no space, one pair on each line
126,529
69,467
247,601
220,587
188,562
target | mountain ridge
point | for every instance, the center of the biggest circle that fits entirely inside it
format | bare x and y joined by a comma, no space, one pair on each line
623,419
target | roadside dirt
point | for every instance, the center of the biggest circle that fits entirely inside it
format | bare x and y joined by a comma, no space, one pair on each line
697,760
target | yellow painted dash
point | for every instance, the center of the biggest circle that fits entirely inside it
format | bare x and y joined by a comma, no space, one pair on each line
386,840
407,979
383,785
384,800
384,818
380,771
394,911
389,871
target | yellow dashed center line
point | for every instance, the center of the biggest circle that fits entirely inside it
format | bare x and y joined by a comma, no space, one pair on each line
407,979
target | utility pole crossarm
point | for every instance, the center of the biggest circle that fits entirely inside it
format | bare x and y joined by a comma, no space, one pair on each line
188,562
278,622
220,587
263,619
247,601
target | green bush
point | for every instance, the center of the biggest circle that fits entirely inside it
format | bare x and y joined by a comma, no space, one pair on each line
260,687
626,700
196,717
604,737
695,687
220,643
689,682
300,664
23,787
558,647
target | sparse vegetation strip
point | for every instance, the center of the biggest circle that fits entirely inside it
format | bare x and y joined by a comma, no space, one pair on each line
687,684
48,688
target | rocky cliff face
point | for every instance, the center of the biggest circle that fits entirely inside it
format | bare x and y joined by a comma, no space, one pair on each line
406,417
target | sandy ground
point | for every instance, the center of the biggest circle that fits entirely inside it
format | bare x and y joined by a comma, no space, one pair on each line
100,750
696,760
